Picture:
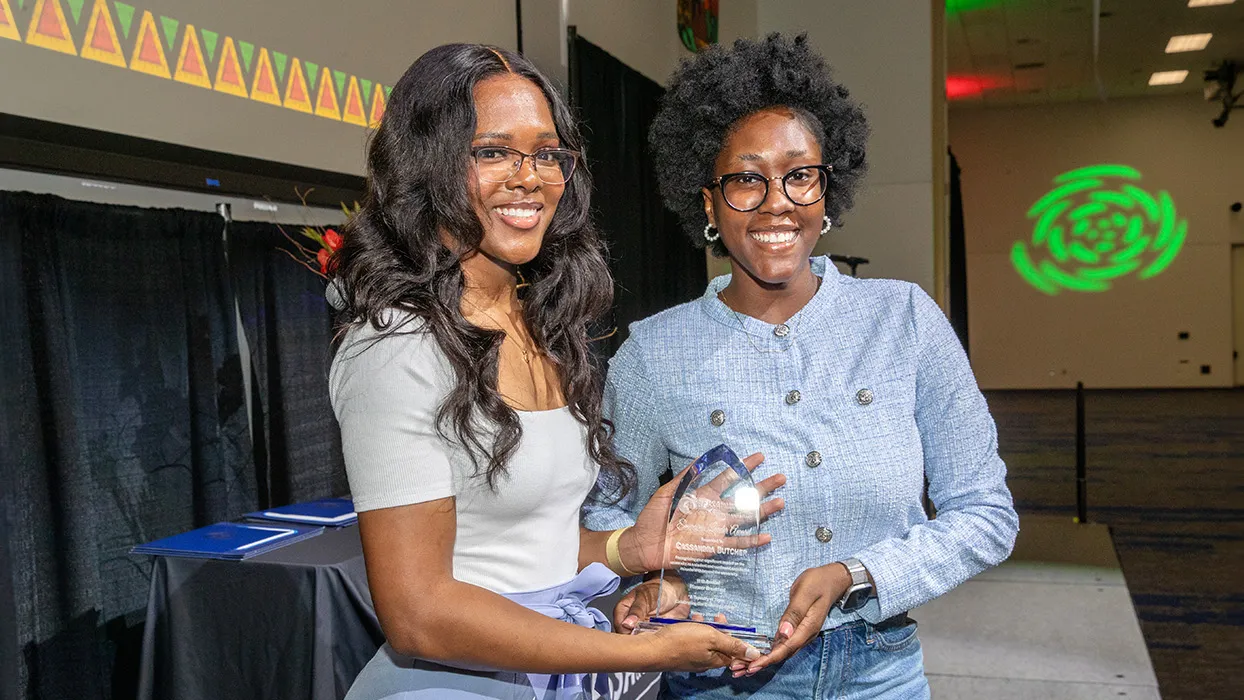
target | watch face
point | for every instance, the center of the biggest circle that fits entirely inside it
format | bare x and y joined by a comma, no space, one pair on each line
856,598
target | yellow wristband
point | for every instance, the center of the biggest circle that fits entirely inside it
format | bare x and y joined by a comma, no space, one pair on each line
614,557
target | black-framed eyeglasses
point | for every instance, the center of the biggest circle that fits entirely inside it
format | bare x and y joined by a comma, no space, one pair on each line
746,191
553,166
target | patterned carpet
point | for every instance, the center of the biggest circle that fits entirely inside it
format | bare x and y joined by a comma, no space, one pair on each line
1166,473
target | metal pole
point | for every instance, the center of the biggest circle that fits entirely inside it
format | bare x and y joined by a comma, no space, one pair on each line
518,22
1081,459
572,65
226,212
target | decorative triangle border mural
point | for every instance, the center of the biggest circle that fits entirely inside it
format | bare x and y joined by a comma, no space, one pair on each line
127,36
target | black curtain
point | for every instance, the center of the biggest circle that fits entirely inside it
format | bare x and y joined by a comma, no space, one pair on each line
8,614
288,328
958,258
654,264
122,422
9,266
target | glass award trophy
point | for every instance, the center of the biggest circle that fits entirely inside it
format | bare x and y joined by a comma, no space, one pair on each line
710,573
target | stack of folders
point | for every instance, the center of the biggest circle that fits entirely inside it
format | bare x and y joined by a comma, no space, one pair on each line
329,512
233,541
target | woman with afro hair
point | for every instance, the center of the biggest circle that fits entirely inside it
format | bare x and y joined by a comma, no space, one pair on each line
858,391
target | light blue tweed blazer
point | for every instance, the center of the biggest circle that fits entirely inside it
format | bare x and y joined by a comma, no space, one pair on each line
885,398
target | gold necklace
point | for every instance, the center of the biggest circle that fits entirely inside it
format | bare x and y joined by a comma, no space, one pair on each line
506,334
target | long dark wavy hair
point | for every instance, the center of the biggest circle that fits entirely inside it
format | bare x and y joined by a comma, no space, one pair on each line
393,257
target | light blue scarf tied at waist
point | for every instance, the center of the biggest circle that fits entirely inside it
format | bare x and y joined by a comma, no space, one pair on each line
391,676
568,602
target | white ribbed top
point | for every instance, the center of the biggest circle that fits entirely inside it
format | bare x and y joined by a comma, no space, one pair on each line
525,535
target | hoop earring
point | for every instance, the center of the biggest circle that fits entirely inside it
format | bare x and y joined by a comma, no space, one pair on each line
829,223
711,233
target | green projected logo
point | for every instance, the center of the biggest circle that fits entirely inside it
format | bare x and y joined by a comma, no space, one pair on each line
1096,226
955,7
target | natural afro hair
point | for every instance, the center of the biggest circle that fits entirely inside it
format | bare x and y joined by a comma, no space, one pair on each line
710,93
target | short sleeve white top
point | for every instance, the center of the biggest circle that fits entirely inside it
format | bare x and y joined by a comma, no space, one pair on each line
524,536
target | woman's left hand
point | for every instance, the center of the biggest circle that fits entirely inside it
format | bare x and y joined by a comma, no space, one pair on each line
811,597
652,597
647,545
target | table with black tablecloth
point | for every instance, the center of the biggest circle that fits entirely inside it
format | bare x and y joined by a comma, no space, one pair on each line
296,623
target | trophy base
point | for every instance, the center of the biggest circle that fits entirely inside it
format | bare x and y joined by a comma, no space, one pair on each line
748,634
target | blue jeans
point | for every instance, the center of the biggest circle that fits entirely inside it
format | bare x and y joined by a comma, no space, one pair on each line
857,661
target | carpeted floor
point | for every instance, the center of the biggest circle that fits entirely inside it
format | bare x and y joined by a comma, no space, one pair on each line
1166,472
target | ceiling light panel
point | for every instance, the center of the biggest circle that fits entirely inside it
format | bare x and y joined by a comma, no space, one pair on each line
1168,77
1188,42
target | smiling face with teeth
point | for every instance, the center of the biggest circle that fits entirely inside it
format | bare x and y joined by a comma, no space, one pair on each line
511,111
769,246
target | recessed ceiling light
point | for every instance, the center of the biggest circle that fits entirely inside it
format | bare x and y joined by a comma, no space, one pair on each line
1188,42
1168,77
1207,3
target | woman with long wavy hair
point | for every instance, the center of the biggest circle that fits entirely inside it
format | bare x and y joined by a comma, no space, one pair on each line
470,402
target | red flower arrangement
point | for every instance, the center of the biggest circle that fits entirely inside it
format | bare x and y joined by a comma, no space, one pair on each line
318,256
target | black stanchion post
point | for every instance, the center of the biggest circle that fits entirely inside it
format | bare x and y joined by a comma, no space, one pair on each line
1081,459
572,66
518,22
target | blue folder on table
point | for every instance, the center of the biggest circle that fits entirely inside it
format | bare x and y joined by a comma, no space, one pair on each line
329,512
228,541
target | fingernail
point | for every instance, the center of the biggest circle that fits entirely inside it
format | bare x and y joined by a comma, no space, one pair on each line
752,653
786,629
752,671
738,674
631,620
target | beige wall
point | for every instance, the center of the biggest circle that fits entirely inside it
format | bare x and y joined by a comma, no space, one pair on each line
1128,336
376,40
882,50
739,18
544,37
